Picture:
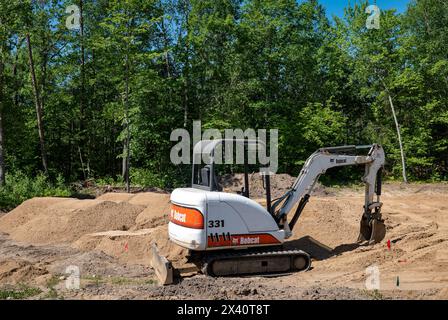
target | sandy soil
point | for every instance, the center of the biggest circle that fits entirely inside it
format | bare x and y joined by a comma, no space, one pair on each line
109,237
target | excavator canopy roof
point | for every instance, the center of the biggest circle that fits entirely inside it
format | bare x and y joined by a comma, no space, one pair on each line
206,149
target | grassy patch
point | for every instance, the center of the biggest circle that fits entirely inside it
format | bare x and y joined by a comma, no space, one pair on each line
374,294
97,280
151,281
122,280
21,292
52,292
128,281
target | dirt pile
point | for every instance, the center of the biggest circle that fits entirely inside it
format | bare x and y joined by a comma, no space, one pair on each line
133,247
118,224
255,288
60,220
64,220
21,263
280,184
417,226
20,271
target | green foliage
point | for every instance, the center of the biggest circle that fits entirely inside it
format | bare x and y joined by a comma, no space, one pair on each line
20,187
21,292
146,178
154,66
322,126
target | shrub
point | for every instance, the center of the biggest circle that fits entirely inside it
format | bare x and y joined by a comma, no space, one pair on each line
20,187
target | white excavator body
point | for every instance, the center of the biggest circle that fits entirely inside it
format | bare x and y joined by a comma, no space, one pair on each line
204,220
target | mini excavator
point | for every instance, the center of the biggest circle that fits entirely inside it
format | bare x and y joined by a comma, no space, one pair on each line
231,234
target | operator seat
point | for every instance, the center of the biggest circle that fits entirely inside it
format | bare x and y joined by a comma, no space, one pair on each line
205,179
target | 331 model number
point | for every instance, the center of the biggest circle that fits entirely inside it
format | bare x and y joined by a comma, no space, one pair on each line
216,223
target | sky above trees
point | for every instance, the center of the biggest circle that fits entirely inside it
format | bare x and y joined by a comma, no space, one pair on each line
336,7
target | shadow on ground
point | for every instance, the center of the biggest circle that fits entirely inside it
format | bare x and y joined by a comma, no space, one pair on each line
318,250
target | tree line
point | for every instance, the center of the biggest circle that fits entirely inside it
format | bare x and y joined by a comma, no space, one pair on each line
100,101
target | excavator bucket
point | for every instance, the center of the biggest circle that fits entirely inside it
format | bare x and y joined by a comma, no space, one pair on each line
378,231
373,231
162,267
365,230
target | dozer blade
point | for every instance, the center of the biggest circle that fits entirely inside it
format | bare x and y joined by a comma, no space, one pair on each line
372,231
162,267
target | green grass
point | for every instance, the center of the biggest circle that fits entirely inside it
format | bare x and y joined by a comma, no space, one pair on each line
21,292
150,281
130,281
374,294
118,280
52,292
94,279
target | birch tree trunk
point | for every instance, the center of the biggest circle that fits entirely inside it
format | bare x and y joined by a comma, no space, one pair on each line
403,164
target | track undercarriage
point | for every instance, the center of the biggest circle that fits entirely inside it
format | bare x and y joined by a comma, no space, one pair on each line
245,262
257,261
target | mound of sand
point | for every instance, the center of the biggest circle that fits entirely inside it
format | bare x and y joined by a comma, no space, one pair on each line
64,220
133,247
280,184
117,224
156,212
19,271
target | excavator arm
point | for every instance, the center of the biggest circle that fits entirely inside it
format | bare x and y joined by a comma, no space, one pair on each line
372,227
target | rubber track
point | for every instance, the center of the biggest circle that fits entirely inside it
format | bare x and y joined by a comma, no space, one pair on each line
257,253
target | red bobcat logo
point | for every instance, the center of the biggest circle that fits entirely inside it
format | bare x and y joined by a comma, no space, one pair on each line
244,240
249,240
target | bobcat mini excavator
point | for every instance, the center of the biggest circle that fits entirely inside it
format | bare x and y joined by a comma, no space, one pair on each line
230,234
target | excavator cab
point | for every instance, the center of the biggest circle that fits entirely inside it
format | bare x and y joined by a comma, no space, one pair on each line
207,156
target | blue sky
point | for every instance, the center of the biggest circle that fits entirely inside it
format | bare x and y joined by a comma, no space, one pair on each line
336,7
